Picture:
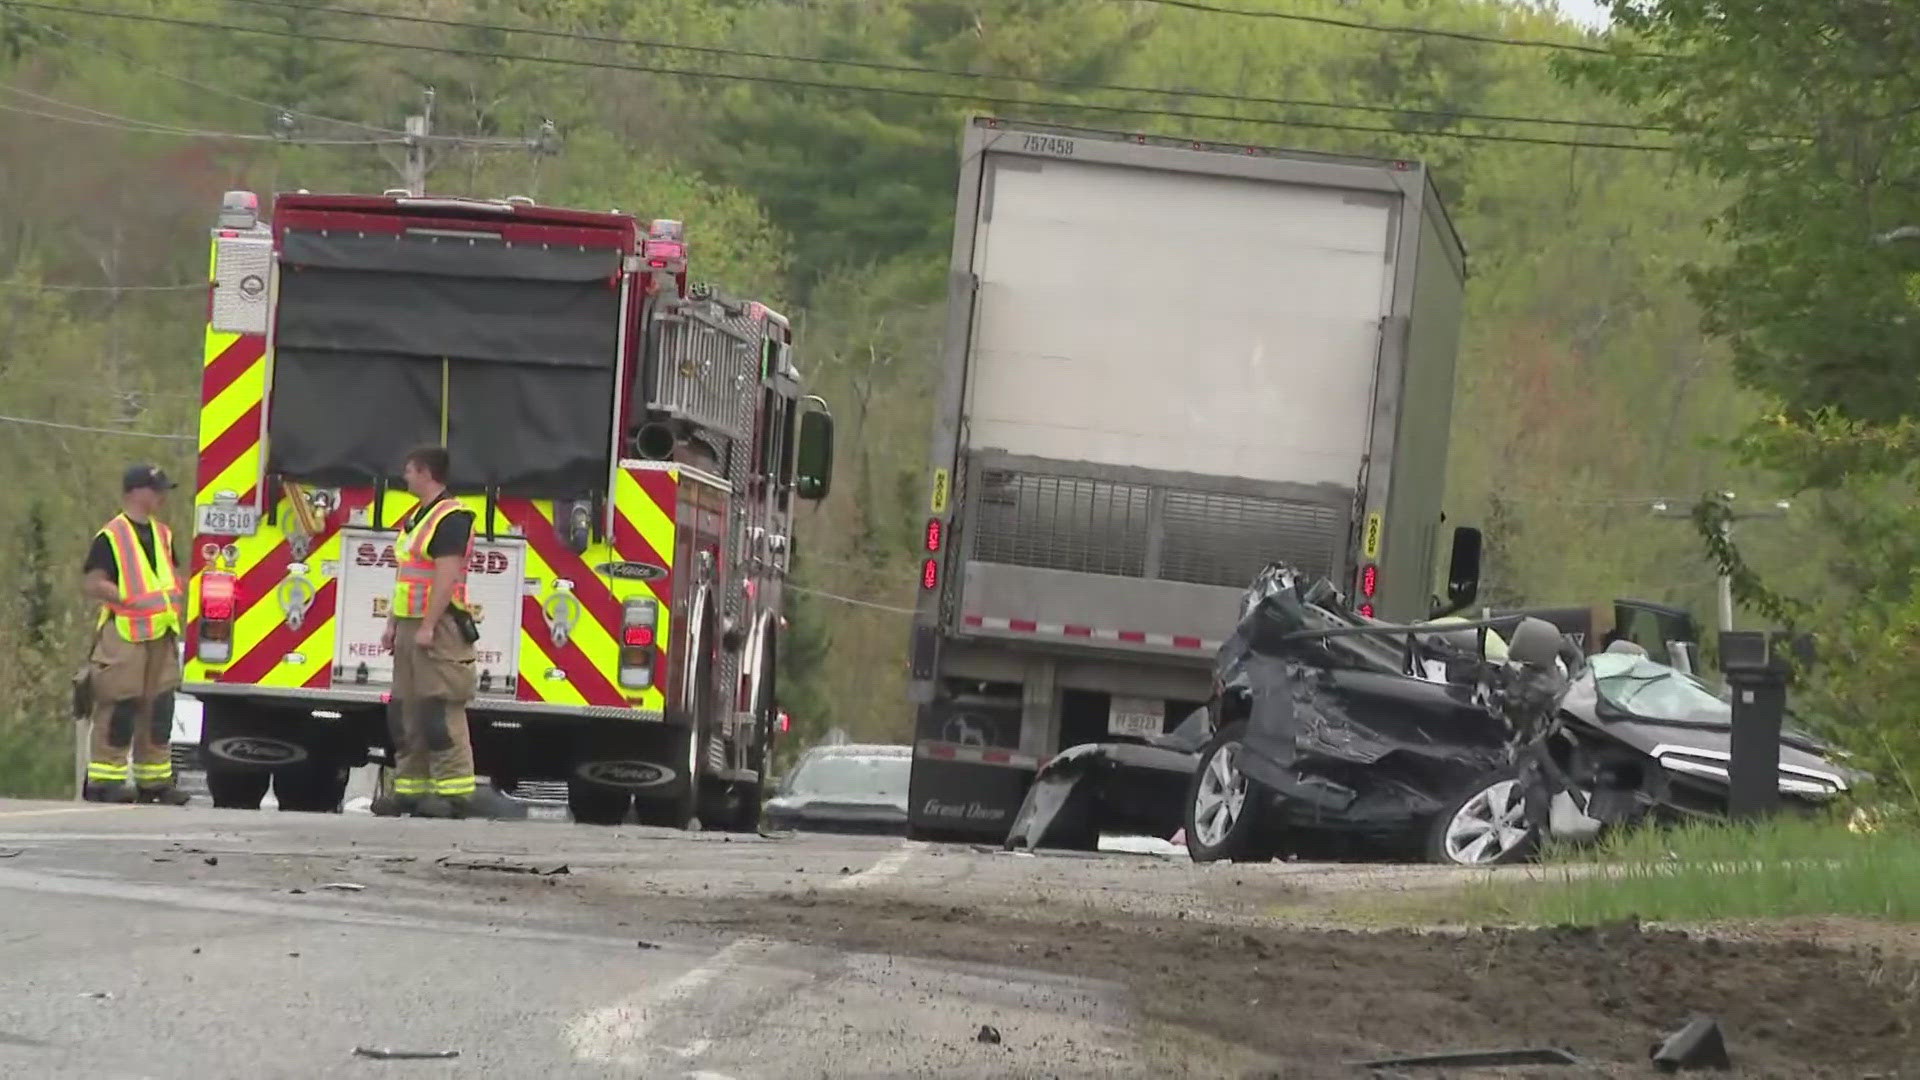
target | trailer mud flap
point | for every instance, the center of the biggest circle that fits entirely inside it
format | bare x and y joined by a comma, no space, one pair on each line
968,790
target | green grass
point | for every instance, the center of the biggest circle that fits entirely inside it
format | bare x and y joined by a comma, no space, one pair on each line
1784,867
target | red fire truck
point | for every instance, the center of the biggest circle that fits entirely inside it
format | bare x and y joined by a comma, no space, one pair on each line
631,443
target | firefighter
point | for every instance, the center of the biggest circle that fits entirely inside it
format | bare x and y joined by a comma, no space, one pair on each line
133,569
431,633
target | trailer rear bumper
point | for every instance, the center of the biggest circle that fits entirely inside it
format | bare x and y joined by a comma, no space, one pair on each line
966,792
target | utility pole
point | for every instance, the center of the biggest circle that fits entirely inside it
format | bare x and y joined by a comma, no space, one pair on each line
413,175
1674,508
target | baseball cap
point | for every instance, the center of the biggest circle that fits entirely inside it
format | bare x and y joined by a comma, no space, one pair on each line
146,476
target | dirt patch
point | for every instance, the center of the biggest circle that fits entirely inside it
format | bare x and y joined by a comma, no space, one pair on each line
1308,1001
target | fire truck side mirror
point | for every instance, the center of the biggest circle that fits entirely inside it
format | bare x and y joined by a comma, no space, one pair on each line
813,463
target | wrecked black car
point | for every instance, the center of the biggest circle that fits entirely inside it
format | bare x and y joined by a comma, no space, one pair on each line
1314,745
1331,734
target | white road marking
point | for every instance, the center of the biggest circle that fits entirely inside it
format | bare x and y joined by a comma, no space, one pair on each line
617,1034
67,810
888,865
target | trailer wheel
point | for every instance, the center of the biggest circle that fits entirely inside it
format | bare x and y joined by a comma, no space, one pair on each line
592,804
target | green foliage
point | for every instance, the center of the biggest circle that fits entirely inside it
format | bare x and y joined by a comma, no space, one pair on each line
1713,871
1807,108
1585,387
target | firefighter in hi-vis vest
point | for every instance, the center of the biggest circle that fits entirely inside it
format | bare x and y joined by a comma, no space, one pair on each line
134,571
431,633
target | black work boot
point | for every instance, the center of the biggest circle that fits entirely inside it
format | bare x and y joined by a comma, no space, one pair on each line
387,804
168,795
118,792
487,803
435,806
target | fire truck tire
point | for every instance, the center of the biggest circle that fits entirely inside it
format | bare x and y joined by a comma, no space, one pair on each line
316,788
237,789
592,804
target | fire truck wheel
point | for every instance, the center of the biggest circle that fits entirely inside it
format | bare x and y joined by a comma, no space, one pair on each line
592,804
315,788
237,789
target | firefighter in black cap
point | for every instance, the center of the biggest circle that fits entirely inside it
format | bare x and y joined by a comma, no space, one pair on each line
133,570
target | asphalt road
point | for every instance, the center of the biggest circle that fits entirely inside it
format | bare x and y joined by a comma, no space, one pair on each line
197,943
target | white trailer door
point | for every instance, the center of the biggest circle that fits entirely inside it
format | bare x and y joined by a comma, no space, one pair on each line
1177,321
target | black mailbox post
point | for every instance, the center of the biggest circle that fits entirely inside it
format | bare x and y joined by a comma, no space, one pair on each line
1759,667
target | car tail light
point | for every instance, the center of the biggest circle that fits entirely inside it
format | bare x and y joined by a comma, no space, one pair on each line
219,603
639,630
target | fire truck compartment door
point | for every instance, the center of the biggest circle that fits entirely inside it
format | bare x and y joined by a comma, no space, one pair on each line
382,343
496,580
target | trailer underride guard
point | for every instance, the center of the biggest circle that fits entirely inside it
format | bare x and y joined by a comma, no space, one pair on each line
631,445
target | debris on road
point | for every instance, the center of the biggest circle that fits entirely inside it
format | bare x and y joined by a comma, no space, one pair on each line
988,1034
297,892
381,1053
502,866
8,853
344,886
1474,1059
212,860
99,995
1699,1045
646,945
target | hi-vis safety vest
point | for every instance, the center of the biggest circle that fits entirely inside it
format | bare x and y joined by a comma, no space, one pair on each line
150,604
413,580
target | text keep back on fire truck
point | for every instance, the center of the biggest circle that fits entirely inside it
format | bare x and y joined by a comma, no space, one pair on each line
631,445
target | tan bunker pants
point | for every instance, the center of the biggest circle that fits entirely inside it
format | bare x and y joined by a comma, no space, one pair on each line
427,714
133,683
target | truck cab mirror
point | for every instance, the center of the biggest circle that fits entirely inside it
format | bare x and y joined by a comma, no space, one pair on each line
813,462
1463,570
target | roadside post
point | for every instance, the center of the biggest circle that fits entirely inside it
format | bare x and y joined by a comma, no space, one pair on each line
1759,667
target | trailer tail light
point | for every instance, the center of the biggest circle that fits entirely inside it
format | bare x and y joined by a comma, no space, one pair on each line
1369,581
935,531
218,605
786,722
639,631
930,574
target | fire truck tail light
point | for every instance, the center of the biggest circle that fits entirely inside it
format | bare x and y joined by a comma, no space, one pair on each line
639,630
218,605
934,531
930,574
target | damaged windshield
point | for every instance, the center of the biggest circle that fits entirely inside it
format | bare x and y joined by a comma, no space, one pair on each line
1653,691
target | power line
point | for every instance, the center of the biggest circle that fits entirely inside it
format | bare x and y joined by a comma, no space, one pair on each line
94,430
824,595
937,95
1417,31
96,47
116,122
911,69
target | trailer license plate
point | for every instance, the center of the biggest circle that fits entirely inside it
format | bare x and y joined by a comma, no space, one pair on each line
1138,717
213,520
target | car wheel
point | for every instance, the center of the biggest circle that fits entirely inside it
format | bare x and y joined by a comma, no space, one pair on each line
1486,826
1224,804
